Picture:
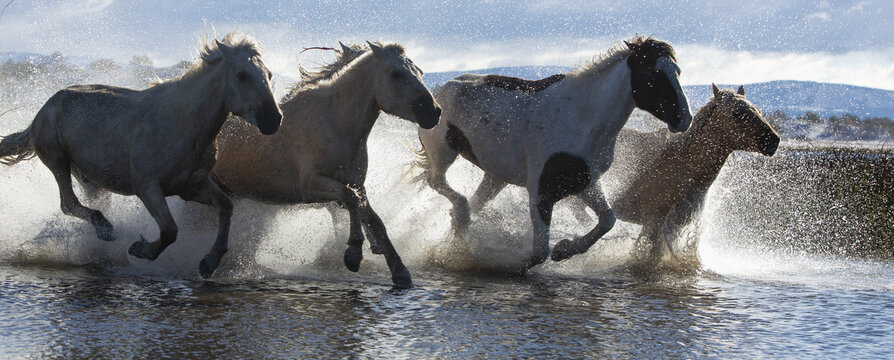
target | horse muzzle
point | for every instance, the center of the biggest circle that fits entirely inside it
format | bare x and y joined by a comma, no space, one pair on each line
680,121
427,113
769,144
268,118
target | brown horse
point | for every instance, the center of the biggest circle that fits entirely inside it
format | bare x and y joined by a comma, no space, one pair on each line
319,155
659,180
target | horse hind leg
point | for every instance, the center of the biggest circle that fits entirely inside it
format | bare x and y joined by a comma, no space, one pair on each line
595,200
440,156
437,180
208,193
487,190
61,169
153,197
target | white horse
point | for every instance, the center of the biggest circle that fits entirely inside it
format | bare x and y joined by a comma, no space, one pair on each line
152,143
553,136
320,154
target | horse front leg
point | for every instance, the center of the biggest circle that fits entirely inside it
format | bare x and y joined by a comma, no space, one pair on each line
400,276
209,193
595,199
154,200
541,208
487,190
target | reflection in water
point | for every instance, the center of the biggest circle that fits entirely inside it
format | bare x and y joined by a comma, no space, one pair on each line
84,312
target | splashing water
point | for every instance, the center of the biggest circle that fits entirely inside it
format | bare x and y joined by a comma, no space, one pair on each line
785,267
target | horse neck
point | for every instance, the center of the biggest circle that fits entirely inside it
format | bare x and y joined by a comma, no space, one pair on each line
198,100
355,110
607,102
702,150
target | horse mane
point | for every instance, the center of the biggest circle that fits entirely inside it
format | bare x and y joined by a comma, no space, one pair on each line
701,118
210,53
638,47
329,72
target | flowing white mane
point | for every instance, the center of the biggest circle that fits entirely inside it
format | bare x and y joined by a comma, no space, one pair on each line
209,52
330,72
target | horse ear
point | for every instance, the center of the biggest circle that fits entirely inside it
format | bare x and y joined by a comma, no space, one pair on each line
741,90
344,48
377,50
630,46
715,89
225,49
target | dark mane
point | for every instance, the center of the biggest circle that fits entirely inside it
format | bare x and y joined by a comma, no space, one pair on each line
640,51
513,83
645,50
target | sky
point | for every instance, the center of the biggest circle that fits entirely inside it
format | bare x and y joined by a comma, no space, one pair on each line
729,42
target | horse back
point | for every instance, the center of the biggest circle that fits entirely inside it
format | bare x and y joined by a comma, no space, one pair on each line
93,128
486,125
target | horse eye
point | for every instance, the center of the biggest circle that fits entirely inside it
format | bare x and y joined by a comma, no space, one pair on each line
241,75
396,74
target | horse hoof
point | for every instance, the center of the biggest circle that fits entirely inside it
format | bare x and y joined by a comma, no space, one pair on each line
534,261
210,262
353,255
206,270
138,249
105,234
563,250
102,226
402,279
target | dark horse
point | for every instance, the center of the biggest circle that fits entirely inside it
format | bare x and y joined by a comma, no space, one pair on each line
152,143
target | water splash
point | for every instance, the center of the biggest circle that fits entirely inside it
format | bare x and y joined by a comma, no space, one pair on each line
758,219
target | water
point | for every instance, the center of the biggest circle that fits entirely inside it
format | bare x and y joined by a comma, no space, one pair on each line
765,289
84,312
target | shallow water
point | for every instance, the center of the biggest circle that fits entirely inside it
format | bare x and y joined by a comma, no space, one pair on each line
87,312
772,285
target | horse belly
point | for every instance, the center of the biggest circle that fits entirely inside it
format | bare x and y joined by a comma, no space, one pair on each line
489,143
102,166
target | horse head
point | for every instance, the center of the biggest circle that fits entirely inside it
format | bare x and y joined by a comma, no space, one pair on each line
247,92
399,89
655,82
746,126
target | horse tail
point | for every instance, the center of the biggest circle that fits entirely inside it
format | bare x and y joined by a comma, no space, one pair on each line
16,147
420,167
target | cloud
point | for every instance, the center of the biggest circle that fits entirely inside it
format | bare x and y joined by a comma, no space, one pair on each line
822,15
462,35
703,65
858,7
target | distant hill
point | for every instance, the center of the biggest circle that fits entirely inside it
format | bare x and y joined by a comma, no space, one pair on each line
32,57
792,97
797,97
